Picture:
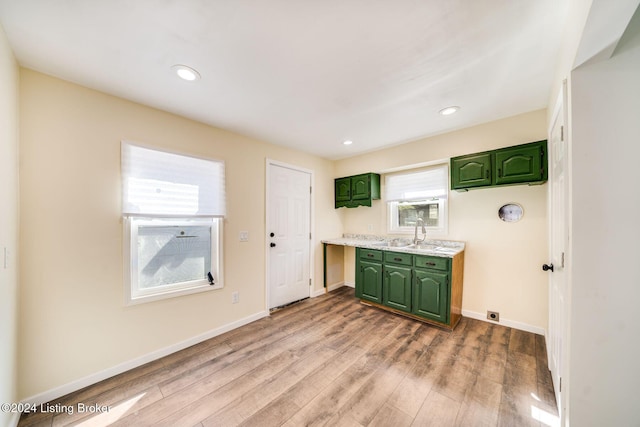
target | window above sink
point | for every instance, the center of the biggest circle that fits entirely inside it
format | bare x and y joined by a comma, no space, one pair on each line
414,194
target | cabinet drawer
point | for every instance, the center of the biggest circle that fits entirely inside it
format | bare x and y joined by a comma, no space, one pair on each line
398,258
433,263
370,254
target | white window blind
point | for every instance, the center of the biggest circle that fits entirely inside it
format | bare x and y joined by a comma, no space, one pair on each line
421,184
159,183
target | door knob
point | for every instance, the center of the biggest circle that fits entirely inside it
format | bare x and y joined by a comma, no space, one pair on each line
546,267
273,245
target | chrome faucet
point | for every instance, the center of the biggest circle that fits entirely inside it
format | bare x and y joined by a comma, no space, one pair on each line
419,221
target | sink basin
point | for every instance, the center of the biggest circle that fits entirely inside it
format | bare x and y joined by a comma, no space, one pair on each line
434,248
394,244
404,244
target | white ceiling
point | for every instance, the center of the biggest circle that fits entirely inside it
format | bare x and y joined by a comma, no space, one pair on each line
306,74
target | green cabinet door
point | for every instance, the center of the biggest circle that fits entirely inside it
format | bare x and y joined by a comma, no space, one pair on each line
361,187
343,189
357,190
520,164
396,287
473,170
430,295
369,281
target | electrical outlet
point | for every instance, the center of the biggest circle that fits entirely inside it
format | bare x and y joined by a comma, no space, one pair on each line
235,297
369,227
244,236
493,315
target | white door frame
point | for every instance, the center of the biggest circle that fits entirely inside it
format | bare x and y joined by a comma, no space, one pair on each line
563,264
269,163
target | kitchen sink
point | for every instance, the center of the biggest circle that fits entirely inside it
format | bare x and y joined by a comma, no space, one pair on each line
435,248
394,244
407,244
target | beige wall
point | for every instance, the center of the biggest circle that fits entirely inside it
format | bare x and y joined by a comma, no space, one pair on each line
502,260
8,223
603,331
71,307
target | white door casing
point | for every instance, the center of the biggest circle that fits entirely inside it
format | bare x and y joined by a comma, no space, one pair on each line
558,243
289,220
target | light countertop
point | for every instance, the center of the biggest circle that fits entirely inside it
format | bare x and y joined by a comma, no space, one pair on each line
439,248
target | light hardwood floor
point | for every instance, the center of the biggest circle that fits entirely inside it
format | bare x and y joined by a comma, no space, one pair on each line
331,361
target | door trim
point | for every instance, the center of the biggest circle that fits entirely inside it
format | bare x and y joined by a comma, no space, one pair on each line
268,164
561,108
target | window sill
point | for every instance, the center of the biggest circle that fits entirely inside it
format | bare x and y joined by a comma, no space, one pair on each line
171,293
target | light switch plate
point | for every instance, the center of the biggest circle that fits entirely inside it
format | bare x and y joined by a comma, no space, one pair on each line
244,236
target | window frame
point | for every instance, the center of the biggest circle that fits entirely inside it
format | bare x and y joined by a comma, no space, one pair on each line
393,216
134,295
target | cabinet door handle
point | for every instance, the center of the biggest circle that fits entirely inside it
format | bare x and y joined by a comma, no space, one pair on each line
499,173
488,173
430,263
397,259
370,255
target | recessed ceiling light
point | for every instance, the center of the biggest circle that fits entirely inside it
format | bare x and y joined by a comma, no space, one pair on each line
186,73
449,110
347,142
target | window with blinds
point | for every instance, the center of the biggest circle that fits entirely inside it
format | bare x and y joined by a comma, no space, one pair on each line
160,183
173,206
418,193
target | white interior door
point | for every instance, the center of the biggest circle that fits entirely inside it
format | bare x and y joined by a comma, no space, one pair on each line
288,234
558,243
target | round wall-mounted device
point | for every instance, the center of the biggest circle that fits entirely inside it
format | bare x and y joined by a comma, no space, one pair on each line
511,212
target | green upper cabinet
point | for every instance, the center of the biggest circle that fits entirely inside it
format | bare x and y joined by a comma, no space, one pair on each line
343,190
357,190
520,164
471,171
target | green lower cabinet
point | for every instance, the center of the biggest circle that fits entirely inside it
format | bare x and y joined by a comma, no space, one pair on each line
430,296
418,285
369,281
396,288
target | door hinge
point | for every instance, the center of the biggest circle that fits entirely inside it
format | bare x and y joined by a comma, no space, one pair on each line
310,190
561,133
309,281
562,260
309,236
560,386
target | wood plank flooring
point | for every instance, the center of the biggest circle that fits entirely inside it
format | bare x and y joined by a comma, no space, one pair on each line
330,361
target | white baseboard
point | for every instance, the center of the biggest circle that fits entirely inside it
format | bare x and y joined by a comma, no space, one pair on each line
333,287
317,293
506,322
57,392
14,420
